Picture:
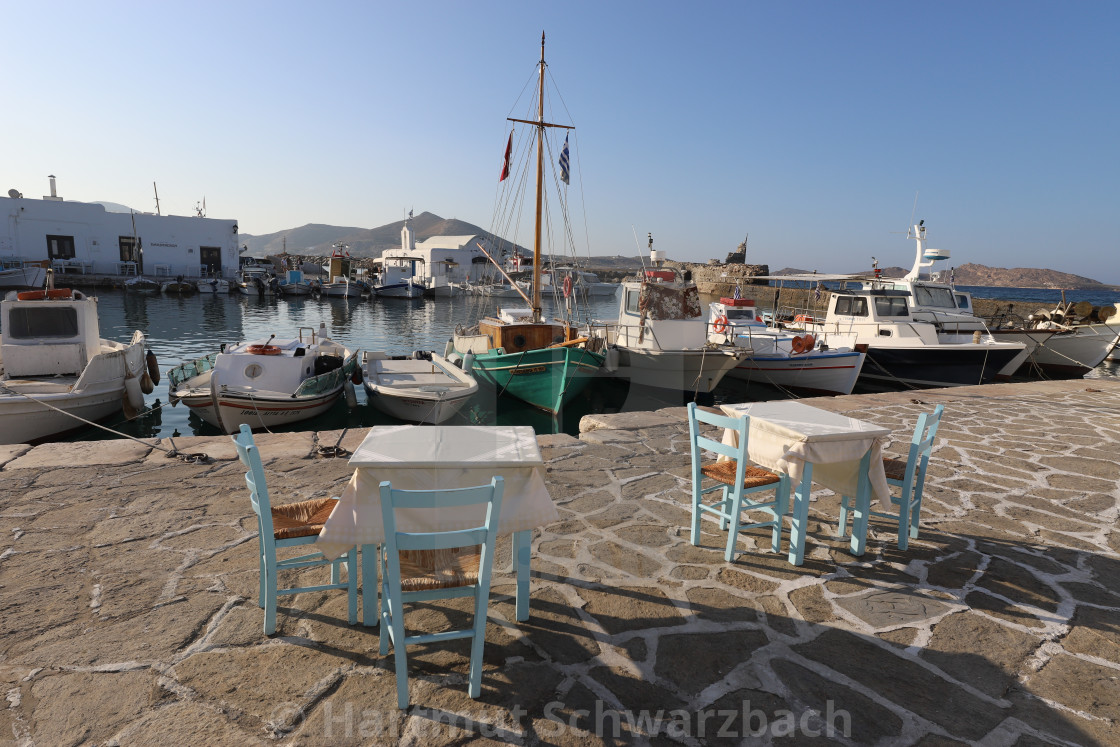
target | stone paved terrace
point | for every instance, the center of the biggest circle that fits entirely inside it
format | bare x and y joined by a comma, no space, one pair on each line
127,600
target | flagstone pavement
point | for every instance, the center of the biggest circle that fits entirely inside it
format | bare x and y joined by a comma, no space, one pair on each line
128,599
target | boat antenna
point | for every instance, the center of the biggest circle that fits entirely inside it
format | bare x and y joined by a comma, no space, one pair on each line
156,190
913,211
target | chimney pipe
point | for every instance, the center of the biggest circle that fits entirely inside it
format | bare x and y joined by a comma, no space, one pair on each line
54,191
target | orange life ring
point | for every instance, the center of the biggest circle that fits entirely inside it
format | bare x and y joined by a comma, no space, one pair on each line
263,350
721,324
567,286
31,295
59,293
798,344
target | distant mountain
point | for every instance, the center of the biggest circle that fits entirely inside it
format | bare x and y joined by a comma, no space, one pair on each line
997,277
316,239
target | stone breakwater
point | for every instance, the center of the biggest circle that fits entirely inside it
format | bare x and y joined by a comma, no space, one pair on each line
128,584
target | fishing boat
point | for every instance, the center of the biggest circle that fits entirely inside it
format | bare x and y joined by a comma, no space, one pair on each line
178,287
56,371
213,285
265,383
293,283
141,284
660,337
421,388
1072,338
340,283
398,278
542,362
782,359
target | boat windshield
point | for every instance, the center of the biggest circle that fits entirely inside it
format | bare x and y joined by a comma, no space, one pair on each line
938,297
28,323
747,314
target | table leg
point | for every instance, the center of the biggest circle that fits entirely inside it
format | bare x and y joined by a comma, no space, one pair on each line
370,618
863,506
800,519
522,541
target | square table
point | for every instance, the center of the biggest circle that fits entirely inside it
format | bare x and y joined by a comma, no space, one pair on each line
414,457
810,444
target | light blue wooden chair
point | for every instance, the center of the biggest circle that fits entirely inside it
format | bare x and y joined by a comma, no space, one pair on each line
910,476
417,567
735,479
290,525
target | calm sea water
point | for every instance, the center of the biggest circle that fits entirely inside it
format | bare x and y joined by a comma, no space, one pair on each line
182,329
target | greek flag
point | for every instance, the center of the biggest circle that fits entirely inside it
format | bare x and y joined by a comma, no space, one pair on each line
564,162
817,291
738,293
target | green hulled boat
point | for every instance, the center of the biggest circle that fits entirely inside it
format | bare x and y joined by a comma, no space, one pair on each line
541,362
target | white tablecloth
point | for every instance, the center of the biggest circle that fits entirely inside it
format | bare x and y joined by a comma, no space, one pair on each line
435,457
785,435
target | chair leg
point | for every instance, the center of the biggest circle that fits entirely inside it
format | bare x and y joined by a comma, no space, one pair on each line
781,502
474,683
269,600
352,583
400,659
697,496
904,509
733,518
724,507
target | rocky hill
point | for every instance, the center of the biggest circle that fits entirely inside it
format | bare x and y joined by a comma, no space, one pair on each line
996,277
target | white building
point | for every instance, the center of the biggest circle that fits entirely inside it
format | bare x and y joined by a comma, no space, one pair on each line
85,237
439,261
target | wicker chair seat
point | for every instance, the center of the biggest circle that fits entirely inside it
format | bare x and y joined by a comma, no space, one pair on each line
724,472
302,519
439,569
895,468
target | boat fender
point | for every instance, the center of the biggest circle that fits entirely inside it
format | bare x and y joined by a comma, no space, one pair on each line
134,395
721,324
449,348
351,396
146,385
153,366
356,376
468,362
610,361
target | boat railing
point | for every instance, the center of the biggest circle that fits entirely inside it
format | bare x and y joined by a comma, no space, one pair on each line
328,381
187,371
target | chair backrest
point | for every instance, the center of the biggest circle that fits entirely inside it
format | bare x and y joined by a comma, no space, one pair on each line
254,478
921,444
700,442
484,534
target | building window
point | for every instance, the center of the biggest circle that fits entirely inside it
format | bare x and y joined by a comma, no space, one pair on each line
60,247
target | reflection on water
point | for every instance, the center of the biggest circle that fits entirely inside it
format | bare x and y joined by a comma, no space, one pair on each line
181,329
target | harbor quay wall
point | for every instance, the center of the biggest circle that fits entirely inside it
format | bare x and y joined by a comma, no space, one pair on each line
128,598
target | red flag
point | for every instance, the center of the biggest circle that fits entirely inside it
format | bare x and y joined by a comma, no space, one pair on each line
505,160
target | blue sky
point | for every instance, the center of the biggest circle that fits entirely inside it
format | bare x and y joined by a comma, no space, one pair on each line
808,125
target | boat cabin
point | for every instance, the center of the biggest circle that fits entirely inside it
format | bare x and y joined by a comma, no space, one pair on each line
48,333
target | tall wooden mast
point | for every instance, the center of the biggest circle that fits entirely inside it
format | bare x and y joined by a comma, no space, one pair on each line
540,192
540,124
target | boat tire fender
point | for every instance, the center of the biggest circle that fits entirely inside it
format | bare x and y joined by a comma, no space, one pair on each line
153,366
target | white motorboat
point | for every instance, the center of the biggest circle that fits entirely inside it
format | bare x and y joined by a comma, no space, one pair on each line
265,383
1070,342
213,285
788,361
56,368
421,388
16,273
660,338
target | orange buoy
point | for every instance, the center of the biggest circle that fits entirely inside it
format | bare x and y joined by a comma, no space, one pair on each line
263,350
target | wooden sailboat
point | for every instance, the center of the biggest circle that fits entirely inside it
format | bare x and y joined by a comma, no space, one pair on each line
544,363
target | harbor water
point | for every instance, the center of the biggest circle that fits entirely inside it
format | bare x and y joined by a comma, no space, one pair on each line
181,329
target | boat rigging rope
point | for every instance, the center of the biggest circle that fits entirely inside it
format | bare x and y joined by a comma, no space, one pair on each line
196,457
